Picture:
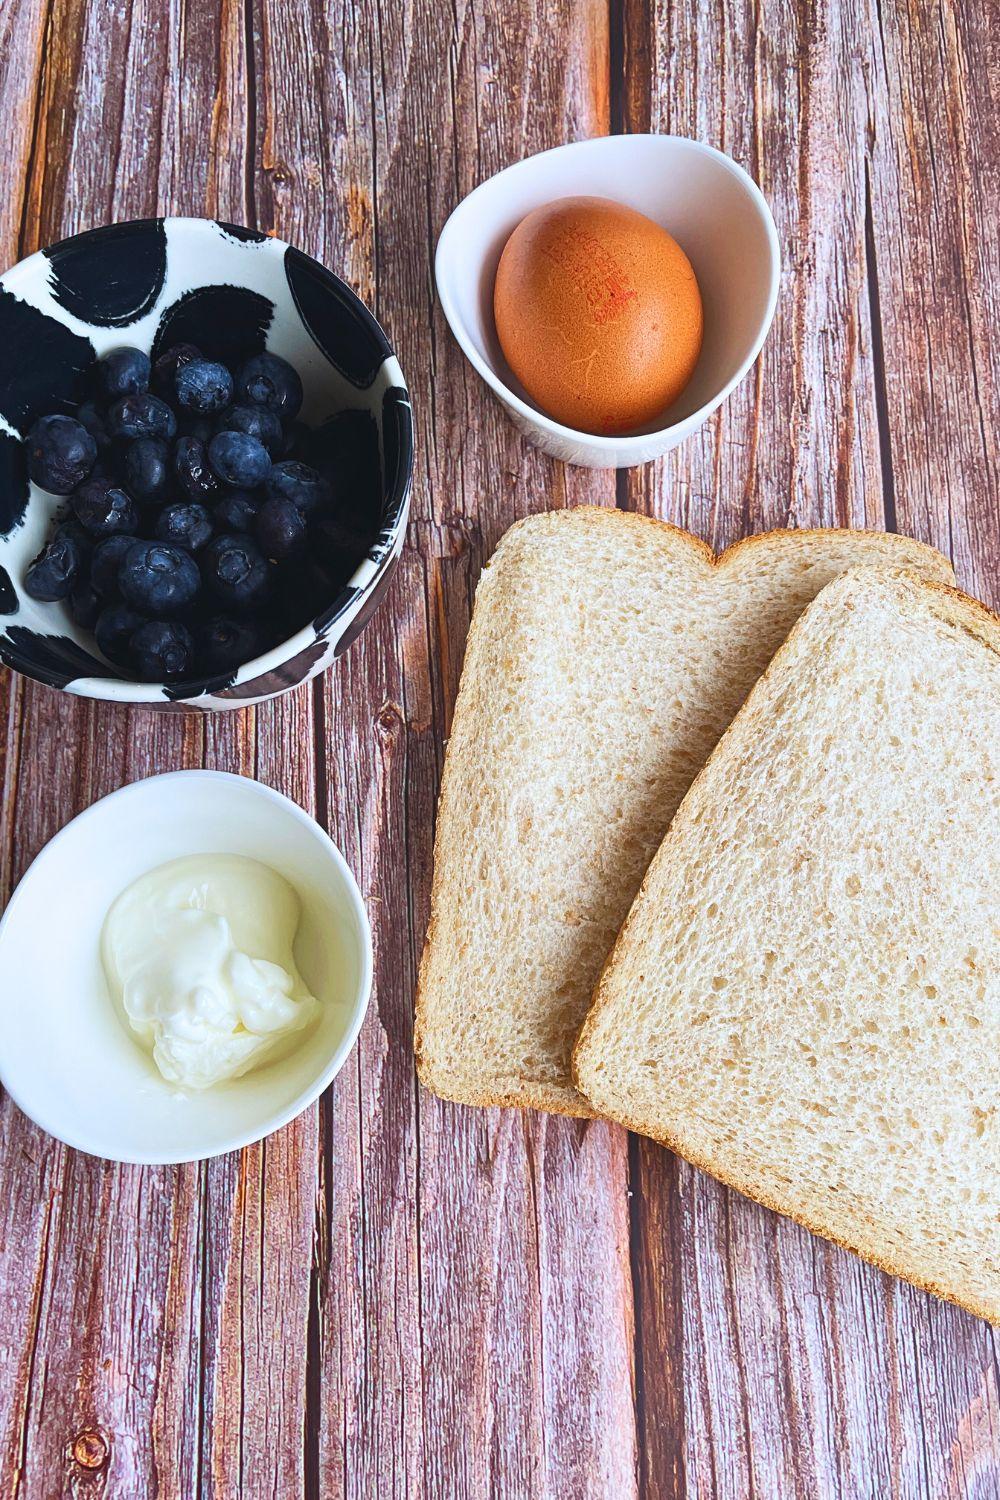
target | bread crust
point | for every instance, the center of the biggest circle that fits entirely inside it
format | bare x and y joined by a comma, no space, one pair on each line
550,1097
527,1093
750,1189
782,536
959,610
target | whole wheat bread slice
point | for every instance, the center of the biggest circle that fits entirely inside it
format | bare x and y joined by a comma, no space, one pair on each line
805,998
606,655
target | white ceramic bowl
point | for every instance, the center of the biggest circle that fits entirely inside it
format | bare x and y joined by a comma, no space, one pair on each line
153,283
713,209
65,1056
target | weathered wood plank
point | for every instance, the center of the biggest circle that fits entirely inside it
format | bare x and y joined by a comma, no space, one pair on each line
113,1314
935,180
31,1165
369,1340
548,1196
797,443
23,26
390,132
44,782
258,1234
934,176
805,1372
260,1212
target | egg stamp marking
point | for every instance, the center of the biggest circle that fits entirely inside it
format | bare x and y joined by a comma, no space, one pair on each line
597,275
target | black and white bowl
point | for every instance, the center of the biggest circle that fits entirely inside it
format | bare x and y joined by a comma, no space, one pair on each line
234,292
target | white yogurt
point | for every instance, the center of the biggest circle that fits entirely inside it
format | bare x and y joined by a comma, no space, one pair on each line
198,956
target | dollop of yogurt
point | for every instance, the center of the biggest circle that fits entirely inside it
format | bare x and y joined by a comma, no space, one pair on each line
198,956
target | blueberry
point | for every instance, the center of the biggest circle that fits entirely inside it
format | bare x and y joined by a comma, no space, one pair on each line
55,570
141,416
299,483
88,416
202,386
123,372
85,603
102,507
193,471
280,529
235,571
61,453
71,527
269,380
158,577
239,459
144,466
163,651
169,363
107,560
186,525
224,644
259,422
236,511
114,628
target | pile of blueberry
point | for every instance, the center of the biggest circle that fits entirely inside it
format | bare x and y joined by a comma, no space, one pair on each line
198,535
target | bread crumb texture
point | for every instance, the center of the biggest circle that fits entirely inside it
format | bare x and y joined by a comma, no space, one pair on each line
606,655
805,999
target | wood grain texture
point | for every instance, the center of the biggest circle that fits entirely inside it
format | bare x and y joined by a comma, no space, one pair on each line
149,1292
396,1296
804,1372
458,1374
935,176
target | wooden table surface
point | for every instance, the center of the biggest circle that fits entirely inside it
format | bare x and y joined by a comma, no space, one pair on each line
396,1296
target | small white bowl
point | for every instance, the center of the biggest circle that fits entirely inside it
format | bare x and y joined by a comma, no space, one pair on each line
714,210
152,283
68,1060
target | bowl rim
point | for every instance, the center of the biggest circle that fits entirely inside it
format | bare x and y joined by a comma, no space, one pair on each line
396,498
623,444
360,1003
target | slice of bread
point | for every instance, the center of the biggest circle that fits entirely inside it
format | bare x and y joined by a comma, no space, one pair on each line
606,655
805,998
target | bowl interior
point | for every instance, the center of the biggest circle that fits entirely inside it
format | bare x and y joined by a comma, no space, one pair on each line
153,283
697,195
66,1057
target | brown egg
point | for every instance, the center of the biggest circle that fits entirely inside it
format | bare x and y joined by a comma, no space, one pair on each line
598,313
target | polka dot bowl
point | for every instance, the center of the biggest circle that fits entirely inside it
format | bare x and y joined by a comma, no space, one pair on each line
234,292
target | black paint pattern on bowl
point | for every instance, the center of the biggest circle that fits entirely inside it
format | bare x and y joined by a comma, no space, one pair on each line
9,603
397,451
367,609
241,232
15,490
110,277
345,450
52,659
289,674
228,323
342,328
177,692
343,601
42,363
